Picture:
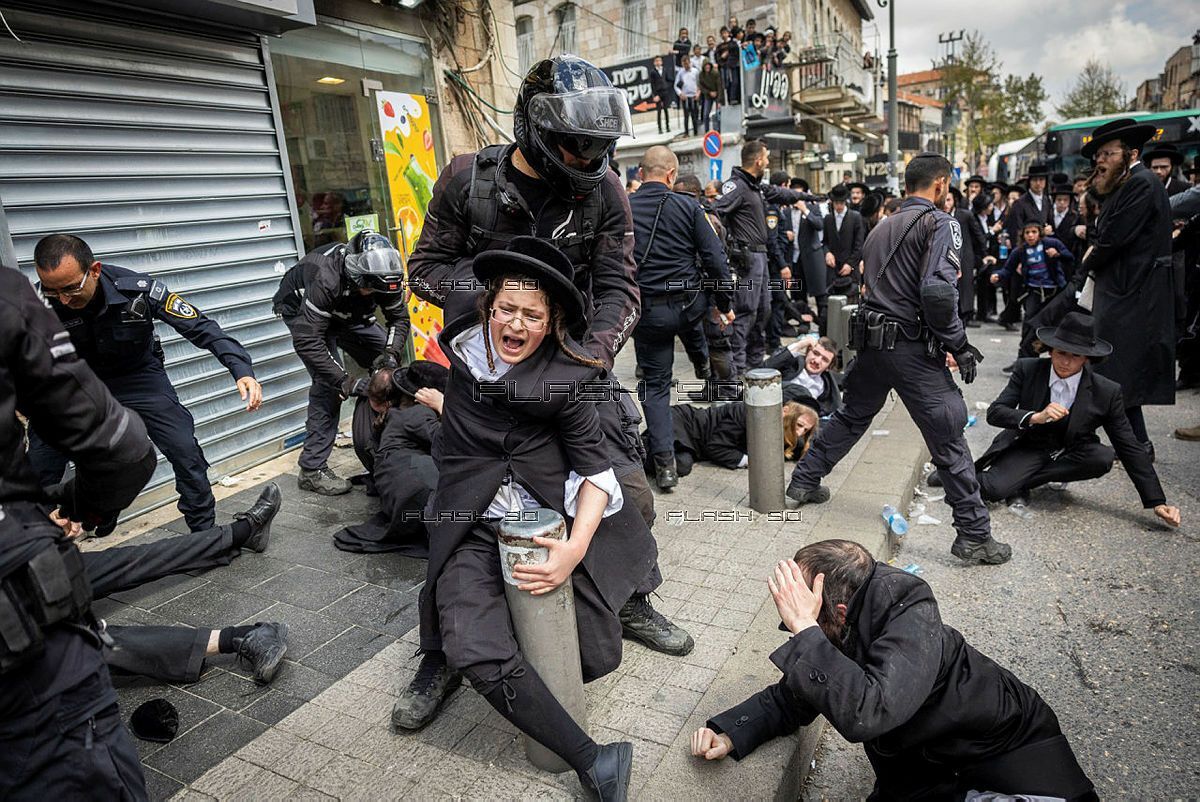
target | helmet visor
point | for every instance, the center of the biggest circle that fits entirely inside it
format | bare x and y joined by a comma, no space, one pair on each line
595,113
378,262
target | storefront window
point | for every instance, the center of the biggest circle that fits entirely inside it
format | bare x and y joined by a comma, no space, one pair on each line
332,82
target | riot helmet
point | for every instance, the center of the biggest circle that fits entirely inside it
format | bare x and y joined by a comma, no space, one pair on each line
371,263
567,103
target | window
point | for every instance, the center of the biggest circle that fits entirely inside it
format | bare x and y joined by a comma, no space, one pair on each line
526,56
636,44
564,15
687,15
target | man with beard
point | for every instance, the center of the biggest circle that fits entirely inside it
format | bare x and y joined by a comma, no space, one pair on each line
974,186
1133,297
1163,159
868,650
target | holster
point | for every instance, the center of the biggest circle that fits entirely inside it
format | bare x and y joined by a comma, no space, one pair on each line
871,331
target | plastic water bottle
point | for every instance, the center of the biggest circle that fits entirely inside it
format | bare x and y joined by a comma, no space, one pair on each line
1003,247
971,421
895,521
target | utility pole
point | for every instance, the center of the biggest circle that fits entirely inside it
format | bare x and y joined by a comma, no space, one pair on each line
950,40
893,101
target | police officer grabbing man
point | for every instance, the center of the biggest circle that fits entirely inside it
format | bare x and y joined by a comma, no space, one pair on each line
328,300
109,312
671,233
59,724
742,206
904,331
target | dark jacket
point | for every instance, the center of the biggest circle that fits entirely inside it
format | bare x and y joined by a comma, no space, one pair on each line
681,48
714,433
846,246
789,366
1174,186
1065,232
604,267
1026,211
116,338
484,435
933,714
742,206
660,86
1134,304
1098,403
683,238
710,85
971,253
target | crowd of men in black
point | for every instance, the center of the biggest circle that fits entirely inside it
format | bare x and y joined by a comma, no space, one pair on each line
544,267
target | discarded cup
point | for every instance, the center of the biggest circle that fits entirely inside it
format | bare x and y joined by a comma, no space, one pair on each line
927,520
894,520
1019,509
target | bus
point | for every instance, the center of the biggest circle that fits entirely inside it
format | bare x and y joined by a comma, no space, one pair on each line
1000,166
1059,144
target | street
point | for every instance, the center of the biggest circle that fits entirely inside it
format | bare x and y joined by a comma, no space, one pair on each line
1097,609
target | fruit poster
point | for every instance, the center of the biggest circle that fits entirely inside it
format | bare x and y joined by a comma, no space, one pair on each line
411,170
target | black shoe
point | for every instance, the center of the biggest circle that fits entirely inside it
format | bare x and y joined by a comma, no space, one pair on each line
1009,326
641,622
810,495
260,517
420,700
263,648
935,479
703,369
983,552
608,778
323,481
666,475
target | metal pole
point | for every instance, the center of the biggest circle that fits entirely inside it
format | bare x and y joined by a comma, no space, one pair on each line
893,103
544,625
764,438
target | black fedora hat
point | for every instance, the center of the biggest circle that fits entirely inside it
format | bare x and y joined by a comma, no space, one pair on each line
1062,189
800,184
546,265
156,720
1075,334
840,192
420,375
980,202
871,204
1126,129
1039,170
1000,185
975,179
858,185
1163,152
805,400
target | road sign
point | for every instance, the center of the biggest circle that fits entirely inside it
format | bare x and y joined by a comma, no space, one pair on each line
714,169
712,144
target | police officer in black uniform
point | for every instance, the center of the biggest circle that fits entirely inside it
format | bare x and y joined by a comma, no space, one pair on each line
328,300
742,206
906,326
554,183
61,736
671,235
109,312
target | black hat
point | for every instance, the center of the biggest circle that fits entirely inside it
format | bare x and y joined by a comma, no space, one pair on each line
1039,170
420,375
1000,185
1075,334
800,184
980,202
1163,152
806,400
1129,131
859,185
780,178
956,193
871,203
975,179
840,192
1059,178
540,260
156,720
1062,189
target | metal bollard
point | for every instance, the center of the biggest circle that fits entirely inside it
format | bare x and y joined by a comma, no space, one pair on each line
837,325
544,625
764,438
847,353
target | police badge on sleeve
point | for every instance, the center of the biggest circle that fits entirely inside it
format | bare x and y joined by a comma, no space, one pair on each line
728,186
956,233
177,307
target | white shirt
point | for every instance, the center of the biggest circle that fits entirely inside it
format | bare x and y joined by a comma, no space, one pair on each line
686,81
838,217
1058,217
1062,391
512,497
1037,200
814,384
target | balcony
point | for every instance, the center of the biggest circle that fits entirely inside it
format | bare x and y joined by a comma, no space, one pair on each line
830,80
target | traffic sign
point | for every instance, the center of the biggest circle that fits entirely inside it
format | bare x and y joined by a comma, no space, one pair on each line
714,169
712,144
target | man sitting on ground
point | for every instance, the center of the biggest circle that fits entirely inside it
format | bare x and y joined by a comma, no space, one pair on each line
869,652
1050,412
804,366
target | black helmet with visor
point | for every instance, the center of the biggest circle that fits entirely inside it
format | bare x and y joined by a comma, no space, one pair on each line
372,263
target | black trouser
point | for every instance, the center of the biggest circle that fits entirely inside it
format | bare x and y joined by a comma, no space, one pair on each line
662,114
752,306
985,294
1024,467
663,319
171,428
167,654
1011,289
691,114
1034,301
125,567
935,403
363,342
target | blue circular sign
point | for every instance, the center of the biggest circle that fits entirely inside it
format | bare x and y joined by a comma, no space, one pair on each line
712,144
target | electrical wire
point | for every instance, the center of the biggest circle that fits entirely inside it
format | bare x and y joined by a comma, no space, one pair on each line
620,27
454,76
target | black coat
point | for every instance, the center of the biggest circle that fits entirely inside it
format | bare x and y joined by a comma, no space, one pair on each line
1098,403
715,433
846,246
1134,304
486,432
1026,211
971,256
1174,186
1064,232
932,713
789,366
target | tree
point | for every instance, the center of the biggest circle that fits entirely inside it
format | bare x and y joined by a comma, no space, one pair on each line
1097,91
1014,111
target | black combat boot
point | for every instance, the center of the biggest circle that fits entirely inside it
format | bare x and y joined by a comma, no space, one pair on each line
641,622
420,700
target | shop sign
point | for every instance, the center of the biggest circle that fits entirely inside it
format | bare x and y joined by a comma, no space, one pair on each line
361,223
634,78
769,92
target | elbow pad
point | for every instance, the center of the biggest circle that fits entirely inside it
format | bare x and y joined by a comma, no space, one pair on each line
939,305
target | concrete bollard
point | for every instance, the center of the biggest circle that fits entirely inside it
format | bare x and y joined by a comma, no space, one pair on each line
764,438
544,625
836,324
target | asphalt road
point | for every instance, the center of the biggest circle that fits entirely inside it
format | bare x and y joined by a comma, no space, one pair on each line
1097,610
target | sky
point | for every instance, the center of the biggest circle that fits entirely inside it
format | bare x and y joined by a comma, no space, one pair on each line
1050,37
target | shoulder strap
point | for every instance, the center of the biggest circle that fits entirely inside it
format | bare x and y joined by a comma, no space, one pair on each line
480,194
653,229
907,229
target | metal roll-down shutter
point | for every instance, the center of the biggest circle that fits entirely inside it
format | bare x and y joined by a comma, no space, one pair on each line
160,148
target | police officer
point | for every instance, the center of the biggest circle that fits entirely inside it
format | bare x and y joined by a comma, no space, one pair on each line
554,182
109,312
671,234
911,323
742,206
779,268
61,735
328,300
